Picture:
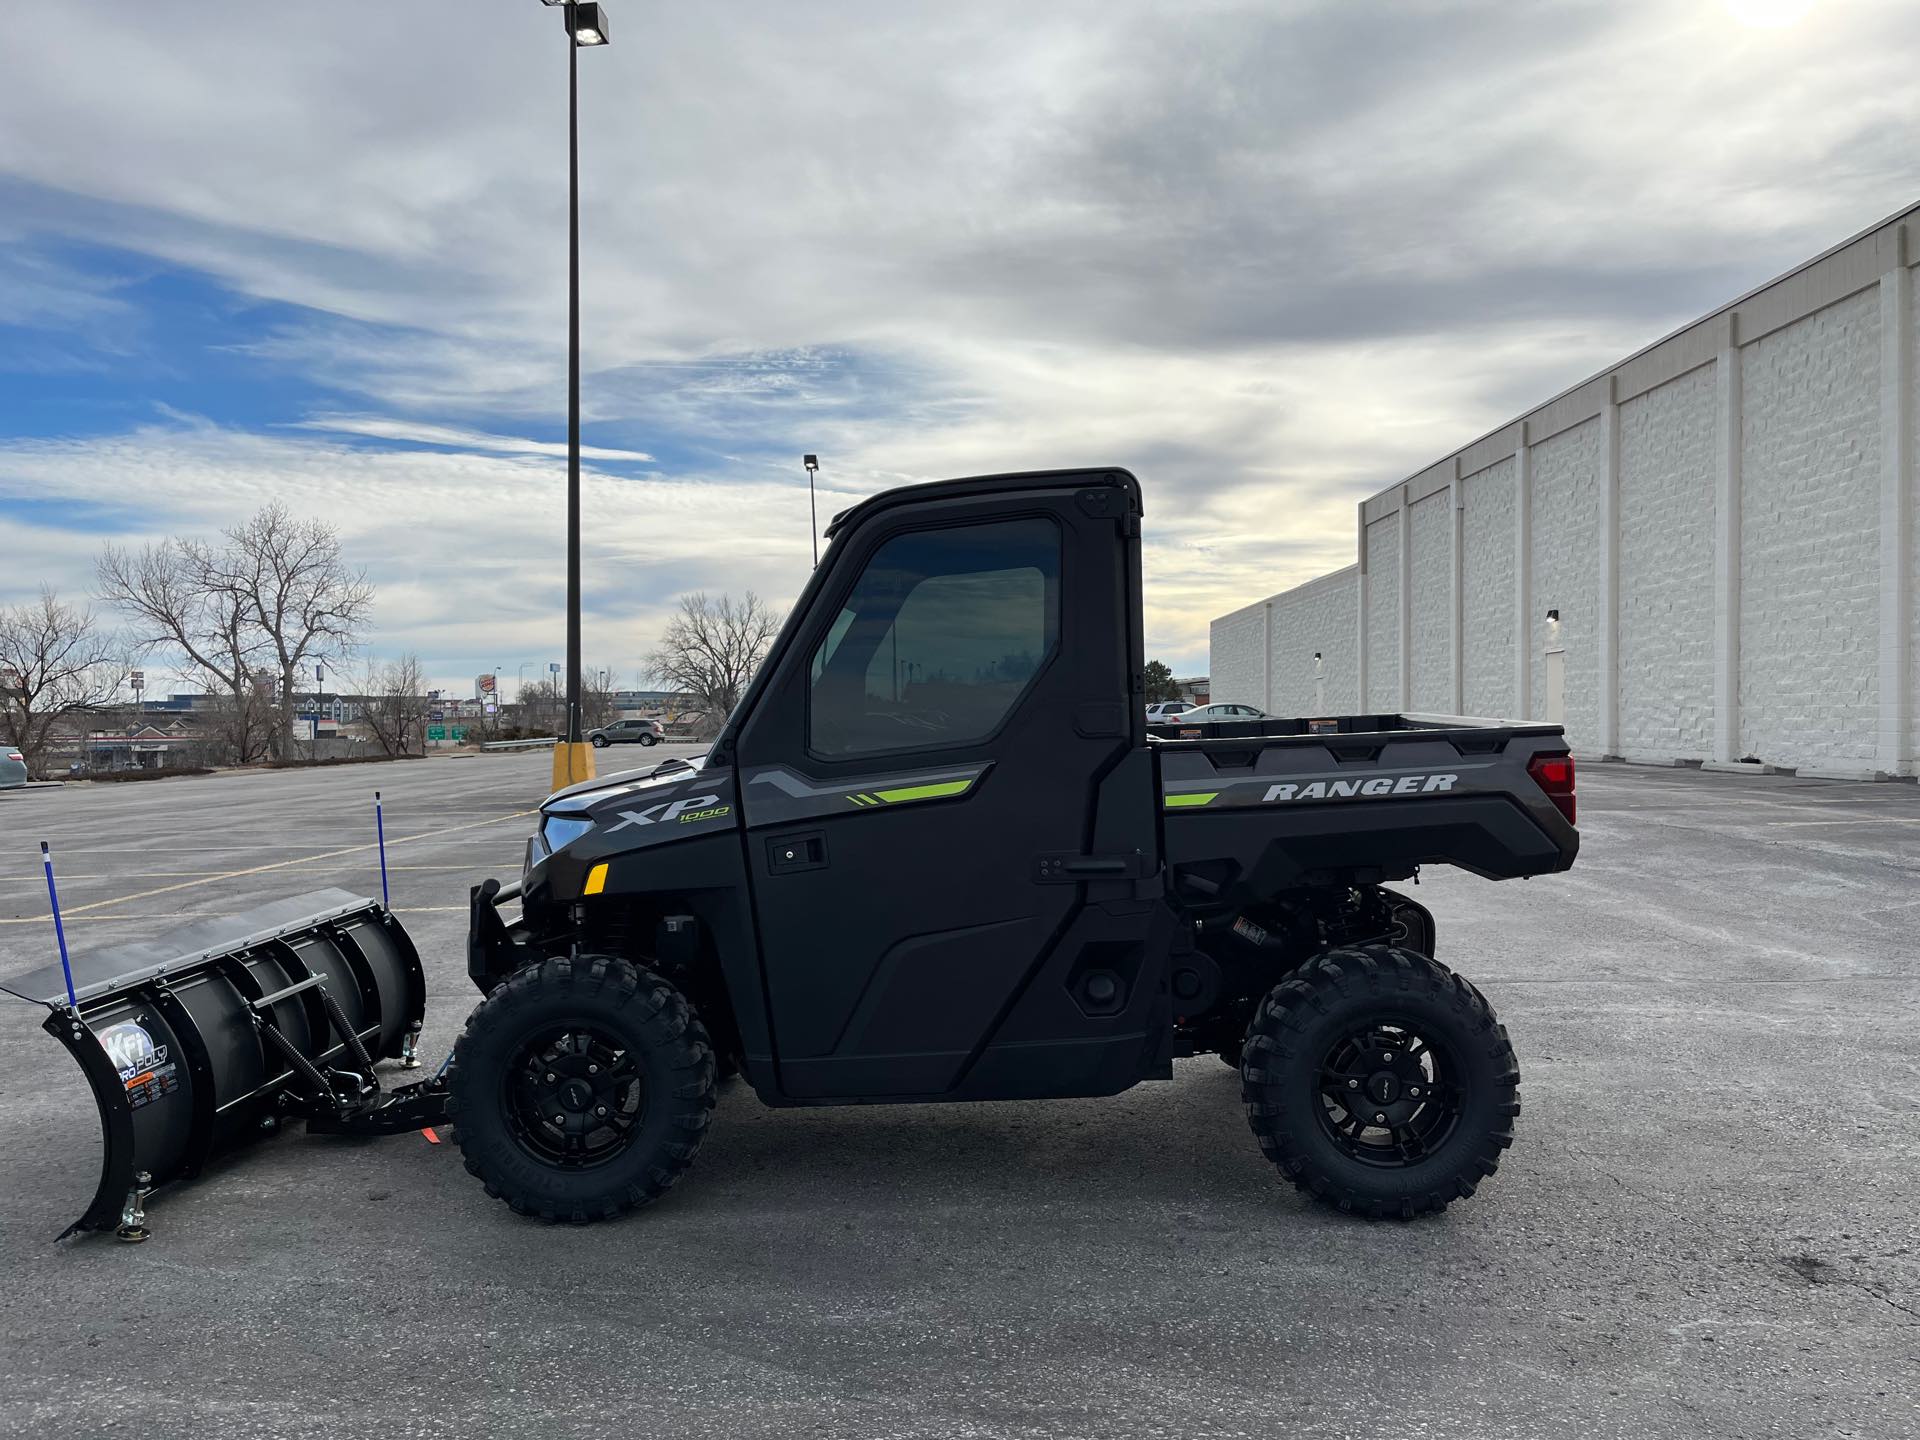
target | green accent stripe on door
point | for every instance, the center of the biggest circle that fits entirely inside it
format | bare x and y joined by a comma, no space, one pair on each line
1174,802
926,792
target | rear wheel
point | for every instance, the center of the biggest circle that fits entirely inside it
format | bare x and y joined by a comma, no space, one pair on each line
649,739
581,1088
1380,1082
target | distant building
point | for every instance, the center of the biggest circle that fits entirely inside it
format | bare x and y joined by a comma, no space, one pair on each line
1705,554
146,747
649,701
196,702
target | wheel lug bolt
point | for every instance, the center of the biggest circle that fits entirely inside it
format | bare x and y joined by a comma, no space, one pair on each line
1379,1119
1413,1090
559,1119
1353,1084
593,1069
549,1077
599,1109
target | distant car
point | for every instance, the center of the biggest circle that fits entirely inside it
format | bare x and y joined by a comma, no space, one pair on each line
1162,710
626,732
1206,714
13,769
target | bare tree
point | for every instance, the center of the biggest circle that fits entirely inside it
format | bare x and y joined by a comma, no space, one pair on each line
710,651
55,662
170,594
247,615
396,706
543,704
288,578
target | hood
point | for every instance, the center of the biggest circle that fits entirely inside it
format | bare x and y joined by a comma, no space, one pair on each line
581,797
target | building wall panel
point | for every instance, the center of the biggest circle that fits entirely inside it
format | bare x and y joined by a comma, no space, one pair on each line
1566,532
1383,614
1430,531
1810,539
1486,600
1667,462
1320,617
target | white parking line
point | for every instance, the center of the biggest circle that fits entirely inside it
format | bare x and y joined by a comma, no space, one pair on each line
263,869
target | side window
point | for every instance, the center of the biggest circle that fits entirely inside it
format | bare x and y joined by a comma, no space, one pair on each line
938,640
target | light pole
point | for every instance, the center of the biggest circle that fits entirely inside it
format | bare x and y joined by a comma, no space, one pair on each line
572,757
812,462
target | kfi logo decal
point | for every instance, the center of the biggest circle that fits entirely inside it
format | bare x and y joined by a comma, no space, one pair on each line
668,810
131,1050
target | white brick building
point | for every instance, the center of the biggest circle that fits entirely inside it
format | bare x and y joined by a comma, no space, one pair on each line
1708,552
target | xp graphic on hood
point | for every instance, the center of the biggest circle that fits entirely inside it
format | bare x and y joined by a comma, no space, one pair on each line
641,807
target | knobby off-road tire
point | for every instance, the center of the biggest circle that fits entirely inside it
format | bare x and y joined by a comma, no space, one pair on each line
581,1088
1363,1028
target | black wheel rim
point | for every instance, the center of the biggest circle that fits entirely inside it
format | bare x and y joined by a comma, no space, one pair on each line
574,1096
1389,1095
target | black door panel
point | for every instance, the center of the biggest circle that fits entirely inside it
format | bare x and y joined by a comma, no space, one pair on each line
926,734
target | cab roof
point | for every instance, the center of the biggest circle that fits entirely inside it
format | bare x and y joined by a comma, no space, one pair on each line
984,485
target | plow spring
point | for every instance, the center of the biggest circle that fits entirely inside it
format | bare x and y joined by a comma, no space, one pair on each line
216,1032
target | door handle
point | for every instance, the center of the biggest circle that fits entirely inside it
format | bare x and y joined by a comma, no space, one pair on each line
1071,868
789,853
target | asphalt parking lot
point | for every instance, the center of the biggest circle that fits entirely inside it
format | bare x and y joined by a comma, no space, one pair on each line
1708,1226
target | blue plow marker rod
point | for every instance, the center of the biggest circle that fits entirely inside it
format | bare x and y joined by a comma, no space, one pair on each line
59,930
380,831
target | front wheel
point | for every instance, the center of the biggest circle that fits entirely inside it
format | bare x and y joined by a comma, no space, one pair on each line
1380,1082
599,742
581,1088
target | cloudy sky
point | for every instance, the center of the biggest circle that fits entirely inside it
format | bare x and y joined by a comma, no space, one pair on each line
1271,256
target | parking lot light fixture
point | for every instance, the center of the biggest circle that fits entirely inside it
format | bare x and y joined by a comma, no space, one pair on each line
812,462
589,25
572,756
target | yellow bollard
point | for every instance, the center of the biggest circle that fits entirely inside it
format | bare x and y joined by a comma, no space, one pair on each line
571,763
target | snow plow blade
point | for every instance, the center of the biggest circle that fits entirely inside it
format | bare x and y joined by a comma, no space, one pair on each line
213,1033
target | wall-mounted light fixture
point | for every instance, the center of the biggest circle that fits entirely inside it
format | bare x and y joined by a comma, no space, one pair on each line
1316,654
1554,616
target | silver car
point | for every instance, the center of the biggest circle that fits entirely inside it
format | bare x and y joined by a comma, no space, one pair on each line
626,732
1205,714
13,769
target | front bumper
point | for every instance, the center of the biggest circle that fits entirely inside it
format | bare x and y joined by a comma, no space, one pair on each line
493,951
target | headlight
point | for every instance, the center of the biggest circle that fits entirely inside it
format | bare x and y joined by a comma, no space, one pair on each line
560,831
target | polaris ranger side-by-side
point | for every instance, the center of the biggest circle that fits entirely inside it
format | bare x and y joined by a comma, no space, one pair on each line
936,854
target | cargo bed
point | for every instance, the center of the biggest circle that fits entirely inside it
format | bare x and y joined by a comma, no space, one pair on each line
1266,806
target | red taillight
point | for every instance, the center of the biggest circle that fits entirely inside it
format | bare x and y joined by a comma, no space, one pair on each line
1554,774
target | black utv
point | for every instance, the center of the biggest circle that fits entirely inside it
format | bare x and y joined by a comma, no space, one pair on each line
938,853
